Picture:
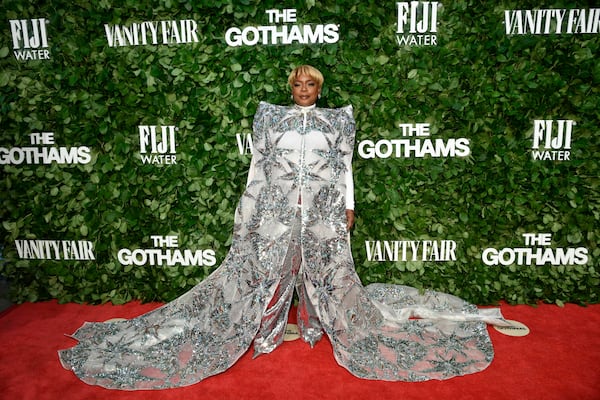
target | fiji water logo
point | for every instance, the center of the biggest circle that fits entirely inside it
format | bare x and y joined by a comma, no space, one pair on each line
552,139
417,23
30,39
157,144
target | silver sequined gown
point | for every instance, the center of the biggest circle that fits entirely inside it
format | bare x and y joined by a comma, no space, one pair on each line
289,234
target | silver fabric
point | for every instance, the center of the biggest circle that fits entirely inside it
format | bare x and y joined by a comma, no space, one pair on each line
289,234
275,318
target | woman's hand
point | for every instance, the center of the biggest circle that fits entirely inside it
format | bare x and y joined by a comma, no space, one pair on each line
349,219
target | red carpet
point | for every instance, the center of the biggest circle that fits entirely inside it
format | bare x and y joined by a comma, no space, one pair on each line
559,359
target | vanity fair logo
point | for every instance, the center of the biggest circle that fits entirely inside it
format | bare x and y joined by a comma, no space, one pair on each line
244,143
535,255
78,250
166,252
415,143
30,39
552,139
157,144
417,23
411,250
284,34
552,21
152,33
46,154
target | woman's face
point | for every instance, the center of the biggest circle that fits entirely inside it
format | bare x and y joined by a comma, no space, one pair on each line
305,90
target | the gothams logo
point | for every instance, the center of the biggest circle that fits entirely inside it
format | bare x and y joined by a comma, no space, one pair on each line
166,252
552,21
417,23
47,154
30,39
416,143
552,139
543,255
282,34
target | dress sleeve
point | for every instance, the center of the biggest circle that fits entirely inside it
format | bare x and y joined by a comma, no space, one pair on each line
349,132
349,189
257,134
251,171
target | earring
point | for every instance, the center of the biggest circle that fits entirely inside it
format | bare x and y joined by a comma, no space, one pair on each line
319,95
292,97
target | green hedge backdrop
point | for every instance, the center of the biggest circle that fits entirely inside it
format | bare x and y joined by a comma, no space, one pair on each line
477,83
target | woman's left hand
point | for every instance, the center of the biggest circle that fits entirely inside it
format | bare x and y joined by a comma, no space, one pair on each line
349,219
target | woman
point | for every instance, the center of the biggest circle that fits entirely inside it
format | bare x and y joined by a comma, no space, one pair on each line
290,232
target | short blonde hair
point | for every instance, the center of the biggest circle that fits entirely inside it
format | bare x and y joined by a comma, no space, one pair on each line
309,70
